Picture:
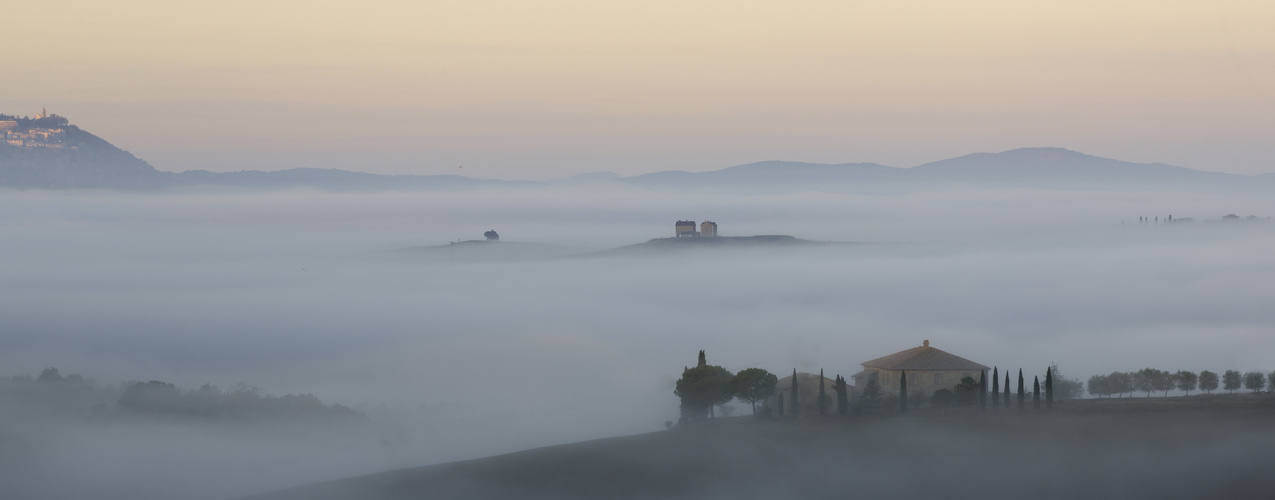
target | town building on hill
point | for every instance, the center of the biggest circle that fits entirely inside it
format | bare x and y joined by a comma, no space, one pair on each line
684,228
928,369
45,131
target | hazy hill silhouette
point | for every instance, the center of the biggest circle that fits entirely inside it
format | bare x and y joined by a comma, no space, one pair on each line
85,161
1202,454
95,163
658,247
771,175
1029,167
1054,166
329,179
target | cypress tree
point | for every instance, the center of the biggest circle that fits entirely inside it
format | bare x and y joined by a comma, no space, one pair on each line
996,388
1006,389
1036,393
1049,388
822,396
903,391
982,389
1021,396
793,394
843,398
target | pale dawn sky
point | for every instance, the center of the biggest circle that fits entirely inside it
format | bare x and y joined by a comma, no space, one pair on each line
536,90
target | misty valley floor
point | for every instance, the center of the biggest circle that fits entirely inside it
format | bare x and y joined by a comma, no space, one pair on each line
1096,453
498,348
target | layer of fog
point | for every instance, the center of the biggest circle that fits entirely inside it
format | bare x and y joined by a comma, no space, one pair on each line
998,455
300,292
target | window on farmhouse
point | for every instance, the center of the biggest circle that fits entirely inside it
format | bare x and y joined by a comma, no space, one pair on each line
938,379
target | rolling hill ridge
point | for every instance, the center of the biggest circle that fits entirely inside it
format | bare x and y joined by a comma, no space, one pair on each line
71,158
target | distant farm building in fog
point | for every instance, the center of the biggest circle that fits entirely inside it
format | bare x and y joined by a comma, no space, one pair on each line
686,228
928,369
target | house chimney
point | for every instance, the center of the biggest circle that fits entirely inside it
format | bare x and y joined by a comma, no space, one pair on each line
925,343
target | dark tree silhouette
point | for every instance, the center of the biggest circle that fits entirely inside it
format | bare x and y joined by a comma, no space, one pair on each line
943,398
1063,387
1231,380
1255,381
1186,381
1121,382
996,389
1208,381
966,391
1006,389
1143,380
871,395
49,375
1022,397
823,397
491,235
1049,388
1151,379
982,390
1036,393
1098,386
843,396
1164,381
154,396
793,393
903,391
703,387
781,404
751,385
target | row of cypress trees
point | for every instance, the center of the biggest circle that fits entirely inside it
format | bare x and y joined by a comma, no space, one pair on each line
996,392
839,387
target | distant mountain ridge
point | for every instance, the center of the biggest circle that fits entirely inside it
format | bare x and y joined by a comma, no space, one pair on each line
83,160
1056,164
1034,167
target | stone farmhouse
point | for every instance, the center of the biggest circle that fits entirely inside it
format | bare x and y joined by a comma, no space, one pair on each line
928,369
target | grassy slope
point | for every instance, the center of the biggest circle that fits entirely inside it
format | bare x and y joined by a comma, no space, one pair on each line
1103,449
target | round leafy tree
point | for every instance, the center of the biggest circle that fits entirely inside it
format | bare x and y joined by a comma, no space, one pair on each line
751,385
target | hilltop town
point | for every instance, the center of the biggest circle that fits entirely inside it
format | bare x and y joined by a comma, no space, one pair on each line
44,131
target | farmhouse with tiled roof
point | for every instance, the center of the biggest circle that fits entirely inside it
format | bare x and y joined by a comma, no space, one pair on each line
928,369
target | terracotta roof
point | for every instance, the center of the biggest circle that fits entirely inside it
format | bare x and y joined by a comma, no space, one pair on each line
923,358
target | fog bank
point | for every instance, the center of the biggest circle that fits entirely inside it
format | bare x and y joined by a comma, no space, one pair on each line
339,295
